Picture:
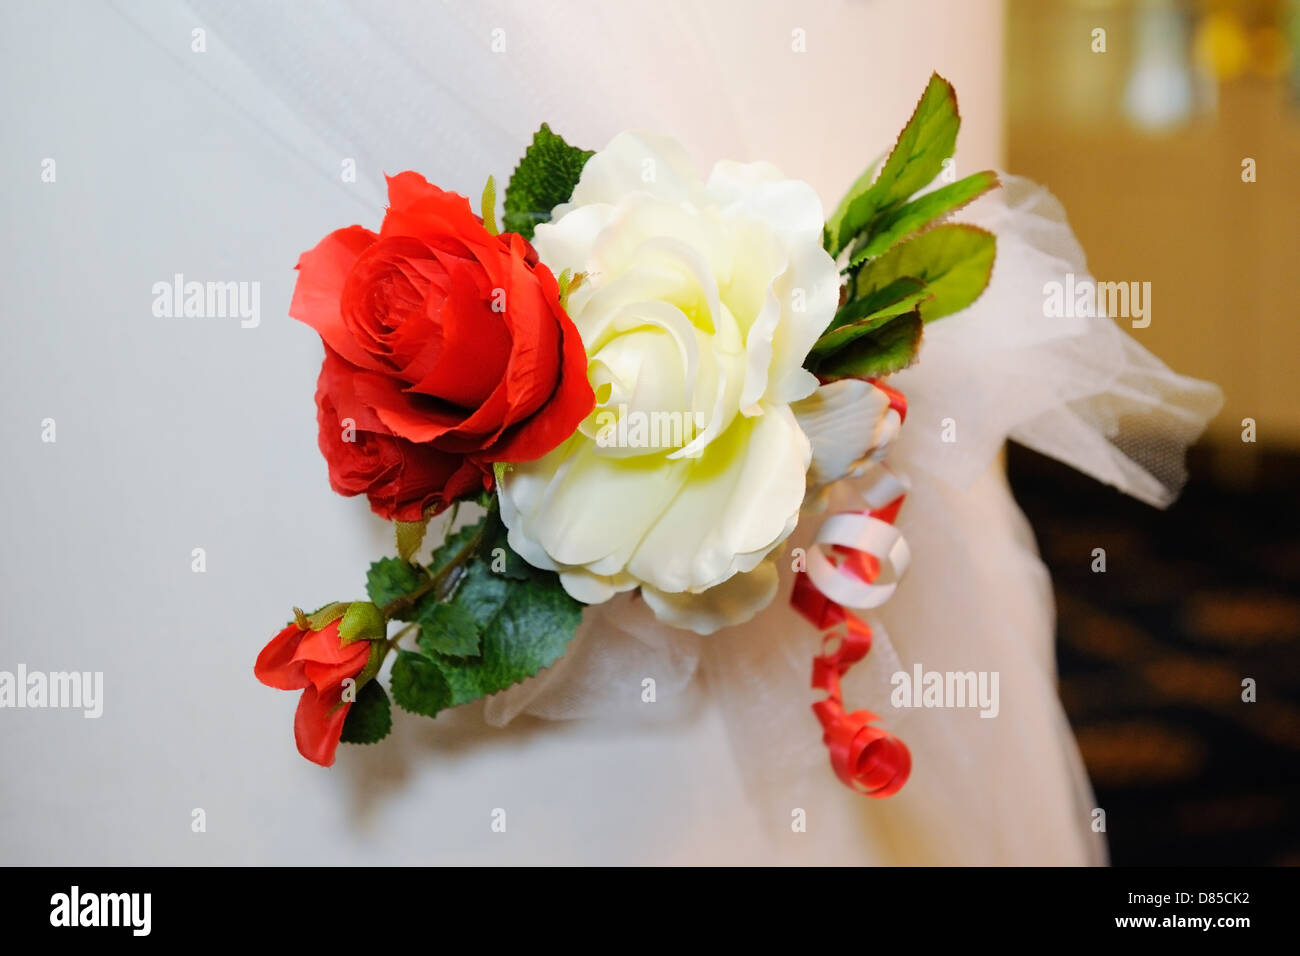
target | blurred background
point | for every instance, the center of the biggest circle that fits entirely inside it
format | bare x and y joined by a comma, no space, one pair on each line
1170,129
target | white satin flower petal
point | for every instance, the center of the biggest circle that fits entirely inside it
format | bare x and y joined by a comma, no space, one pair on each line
700,305
589,588
809,291
597,507
567,243
758,354
635,162
758,189
735,601
738,499
840,420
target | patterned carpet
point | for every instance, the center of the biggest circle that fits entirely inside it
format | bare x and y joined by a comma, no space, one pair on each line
1153,653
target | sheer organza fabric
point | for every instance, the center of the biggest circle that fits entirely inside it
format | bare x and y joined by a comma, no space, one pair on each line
411,85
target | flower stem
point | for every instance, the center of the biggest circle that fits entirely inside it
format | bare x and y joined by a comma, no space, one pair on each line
407,601
396,638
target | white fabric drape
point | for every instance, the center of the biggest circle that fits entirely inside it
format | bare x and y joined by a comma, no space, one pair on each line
405,85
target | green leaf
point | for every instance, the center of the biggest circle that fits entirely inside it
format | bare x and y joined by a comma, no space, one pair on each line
929,138
544,178
955,262
410,535
362,622
888,349
835,223
453,544
370,718
488,206
529,631
378,650
474,537
568,282
498,553
322,617
448,629
481,593
911,218
496,627
391,578
418,684
873,310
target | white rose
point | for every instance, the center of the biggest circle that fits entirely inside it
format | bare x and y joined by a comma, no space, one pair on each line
700,304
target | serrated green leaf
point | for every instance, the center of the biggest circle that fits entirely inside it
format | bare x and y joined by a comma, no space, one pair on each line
453,544
370,717
836,222
929,138
500,556
418,684
462,547
888,349
525,625
481,593
391,578
895,226
860,316
448,629
955,261
530,630
544,178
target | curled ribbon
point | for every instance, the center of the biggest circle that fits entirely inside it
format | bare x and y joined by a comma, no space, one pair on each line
854,564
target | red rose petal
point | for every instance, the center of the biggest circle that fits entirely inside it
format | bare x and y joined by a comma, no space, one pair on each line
418,418
323,647
475,347
535,361
325,676
385,292
571,402
277,665
336,388
427,478
420,209
433,384
317,726
317,295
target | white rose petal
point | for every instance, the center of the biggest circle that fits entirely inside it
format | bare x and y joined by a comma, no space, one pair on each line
733,602
841,421
701,302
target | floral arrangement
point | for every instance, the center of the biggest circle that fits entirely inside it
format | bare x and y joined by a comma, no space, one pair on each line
641,381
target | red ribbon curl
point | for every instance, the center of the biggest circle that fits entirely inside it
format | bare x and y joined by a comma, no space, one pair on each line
864,756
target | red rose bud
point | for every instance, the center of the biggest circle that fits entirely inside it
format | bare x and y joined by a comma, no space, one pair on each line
447,350
316,654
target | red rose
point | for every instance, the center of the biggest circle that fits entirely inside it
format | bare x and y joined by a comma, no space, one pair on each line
317,663
400,477
446,348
